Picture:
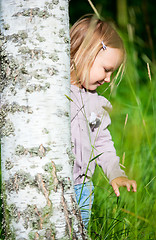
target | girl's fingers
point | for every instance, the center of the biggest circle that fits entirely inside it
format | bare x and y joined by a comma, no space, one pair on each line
134,185
123,182
128,187
130,183
116,189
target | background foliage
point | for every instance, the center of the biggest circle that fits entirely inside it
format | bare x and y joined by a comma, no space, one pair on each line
132,215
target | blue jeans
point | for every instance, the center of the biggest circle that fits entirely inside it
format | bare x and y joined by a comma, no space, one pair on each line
85,199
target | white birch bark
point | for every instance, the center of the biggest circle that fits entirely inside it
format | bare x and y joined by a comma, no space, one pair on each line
35,121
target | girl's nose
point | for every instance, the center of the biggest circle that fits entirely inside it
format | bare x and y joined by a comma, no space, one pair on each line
107,79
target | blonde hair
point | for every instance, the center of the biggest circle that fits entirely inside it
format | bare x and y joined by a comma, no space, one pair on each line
86,36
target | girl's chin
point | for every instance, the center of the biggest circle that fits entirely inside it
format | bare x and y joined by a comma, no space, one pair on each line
92,88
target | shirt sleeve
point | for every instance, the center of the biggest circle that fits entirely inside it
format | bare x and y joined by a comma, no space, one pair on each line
104,145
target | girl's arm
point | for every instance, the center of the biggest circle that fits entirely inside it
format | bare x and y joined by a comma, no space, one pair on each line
109,162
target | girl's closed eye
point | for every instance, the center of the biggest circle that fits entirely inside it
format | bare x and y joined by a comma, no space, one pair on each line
106,70
109,69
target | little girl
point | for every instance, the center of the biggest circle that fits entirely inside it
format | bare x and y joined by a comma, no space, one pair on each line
96,52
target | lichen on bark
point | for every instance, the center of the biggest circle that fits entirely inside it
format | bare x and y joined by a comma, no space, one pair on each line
8,164
11,72
34,217
30,53
39,151
8,129
37,87
8,232
19,181
33,12
18,38
71,156
6,126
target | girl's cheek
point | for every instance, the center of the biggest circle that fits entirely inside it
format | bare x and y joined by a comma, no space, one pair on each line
102,73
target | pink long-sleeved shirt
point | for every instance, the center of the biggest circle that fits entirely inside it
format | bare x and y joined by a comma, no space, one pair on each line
90,136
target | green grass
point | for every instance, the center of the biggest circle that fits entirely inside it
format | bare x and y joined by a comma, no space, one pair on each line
132,215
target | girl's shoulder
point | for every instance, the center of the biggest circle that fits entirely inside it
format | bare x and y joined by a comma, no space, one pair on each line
101,101
91,98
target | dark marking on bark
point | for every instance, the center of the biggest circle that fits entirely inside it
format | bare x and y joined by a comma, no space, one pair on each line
52,71
42,187
55,2
54,176
66,114
8,129
77,213
37,88
71,156
35,218
14,213
19,181
54,57
45,131
48,5
8,164
65,182
5,26
40,38
68,52
40,151
62,32
18,38
42,216
28,53
11,72
66,39
6,126
52,168
9,233
62,8
32,12
69,218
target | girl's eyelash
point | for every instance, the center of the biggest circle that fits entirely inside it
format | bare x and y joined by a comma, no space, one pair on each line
109,70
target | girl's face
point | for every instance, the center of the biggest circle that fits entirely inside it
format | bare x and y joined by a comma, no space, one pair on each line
106,62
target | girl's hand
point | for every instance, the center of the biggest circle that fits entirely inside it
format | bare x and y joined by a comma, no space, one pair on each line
123,182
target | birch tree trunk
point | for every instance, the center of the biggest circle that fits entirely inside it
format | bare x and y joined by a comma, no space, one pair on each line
35,121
